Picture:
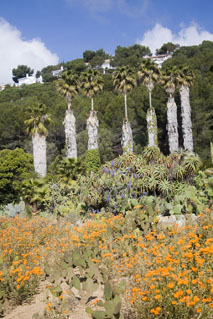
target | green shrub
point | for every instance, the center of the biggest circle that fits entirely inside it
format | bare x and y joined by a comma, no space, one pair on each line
15,167
92,160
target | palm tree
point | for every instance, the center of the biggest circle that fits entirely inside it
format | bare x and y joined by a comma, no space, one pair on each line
169,81
124,81
36,127
91,84
67,86
185,78
149,74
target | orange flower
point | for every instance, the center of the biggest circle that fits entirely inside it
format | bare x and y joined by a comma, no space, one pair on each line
196,299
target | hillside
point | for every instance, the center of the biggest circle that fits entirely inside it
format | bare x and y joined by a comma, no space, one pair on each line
14,104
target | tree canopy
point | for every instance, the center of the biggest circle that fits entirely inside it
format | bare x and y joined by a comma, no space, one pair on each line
131,55
20,72
14,103
167,48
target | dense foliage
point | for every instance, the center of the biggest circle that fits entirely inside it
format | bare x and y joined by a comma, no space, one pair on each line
14,103
15,167
20,72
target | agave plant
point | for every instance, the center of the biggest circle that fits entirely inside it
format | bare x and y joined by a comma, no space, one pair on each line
165,187
151,153
160,172
179,172
192,163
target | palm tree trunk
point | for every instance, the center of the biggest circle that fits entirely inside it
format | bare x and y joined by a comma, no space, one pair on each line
70,135
152,127
186,118
92,127
92,104
125,104
39,154
68,100
127,140
150,98
150,87
172,125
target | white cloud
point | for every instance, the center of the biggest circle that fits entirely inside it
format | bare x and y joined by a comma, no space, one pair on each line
191,35
15,51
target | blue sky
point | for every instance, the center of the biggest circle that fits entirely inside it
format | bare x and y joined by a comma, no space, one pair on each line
67,28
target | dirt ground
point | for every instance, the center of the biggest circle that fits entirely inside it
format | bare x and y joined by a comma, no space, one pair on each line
26,311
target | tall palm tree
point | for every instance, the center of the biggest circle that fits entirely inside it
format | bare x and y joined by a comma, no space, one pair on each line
149,74
124,81
169,81
36,127
67,86
185,79
91,83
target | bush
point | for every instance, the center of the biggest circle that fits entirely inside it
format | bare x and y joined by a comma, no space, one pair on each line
15,167
92,160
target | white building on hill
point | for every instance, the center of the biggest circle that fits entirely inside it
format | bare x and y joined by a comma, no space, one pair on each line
106,65
159,59
57,72
29,79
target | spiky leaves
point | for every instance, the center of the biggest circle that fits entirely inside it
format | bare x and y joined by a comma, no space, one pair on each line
67,86
91,83
169,81
185,78
36,127
149,74
38,120
124,81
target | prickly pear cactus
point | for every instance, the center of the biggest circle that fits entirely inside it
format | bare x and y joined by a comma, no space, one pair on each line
111,303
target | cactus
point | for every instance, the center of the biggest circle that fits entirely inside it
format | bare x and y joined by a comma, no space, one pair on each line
111,303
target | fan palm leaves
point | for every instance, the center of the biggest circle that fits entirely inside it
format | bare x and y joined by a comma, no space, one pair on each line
67,86
124,81
169,79
38,120
149,74
36,127
185,76
91,83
